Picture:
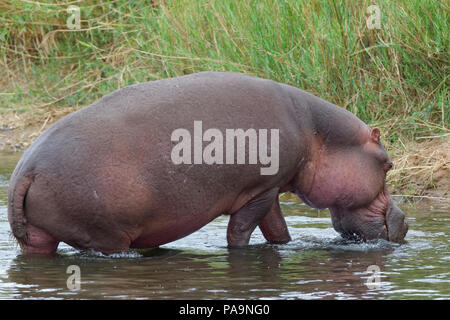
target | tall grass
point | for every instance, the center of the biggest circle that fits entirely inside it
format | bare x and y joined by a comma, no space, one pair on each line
396,74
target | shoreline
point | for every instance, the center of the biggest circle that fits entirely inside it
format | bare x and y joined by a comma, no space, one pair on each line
421,168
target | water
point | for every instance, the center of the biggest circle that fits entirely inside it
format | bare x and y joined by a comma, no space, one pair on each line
317,264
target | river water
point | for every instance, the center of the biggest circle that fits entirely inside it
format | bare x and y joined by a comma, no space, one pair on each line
317,264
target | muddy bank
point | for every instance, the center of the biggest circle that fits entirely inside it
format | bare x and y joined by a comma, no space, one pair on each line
19,130
421,168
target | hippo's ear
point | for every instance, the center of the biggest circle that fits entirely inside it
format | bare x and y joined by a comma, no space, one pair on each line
375,135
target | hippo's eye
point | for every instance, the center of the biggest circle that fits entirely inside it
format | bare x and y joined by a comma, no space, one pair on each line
388,166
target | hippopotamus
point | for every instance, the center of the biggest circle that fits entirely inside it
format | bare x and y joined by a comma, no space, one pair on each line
108,177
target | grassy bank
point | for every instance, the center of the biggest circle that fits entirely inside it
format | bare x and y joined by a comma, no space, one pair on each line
395,77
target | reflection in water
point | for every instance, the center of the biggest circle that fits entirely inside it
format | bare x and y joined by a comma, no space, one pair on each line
316,264
261,271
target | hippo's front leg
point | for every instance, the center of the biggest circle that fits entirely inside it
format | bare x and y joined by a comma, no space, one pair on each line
273,226
244,221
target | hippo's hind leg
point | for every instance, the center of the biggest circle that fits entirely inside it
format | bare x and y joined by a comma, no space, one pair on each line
273,226
244,221
38,241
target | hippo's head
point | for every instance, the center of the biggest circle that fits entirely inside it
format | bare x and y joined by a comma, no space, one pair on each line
350,179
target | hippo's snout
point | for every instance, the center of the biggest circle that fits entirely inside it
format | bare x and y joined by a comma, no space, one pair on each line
397,226
382,219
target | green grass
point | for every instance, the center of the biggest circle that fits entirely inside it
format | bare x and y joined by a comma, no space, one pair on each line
400,71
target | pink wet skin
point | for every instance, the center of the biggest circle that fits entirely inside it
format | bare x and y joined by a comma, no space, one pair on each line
102,178
38,242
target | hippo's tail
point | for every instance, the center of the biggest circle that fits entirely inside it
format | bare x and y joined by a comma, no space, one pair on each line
16,208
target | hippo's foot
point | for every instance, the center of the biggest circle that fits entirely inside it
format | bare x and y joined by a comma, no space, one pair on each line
244,221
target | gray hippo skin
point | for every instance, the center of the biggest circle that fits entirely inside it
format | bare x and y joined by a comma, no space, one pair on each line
102,178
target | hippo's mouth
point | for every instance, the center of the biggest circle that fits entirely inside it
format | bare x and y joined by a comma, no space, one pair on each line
381,219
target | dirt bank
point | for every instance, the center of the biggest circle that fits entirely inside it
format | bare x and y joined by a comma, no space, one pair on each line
421,168
19,130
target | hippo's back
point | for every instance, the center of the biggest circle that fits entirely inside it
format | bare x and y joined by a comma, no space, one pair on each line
133,126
